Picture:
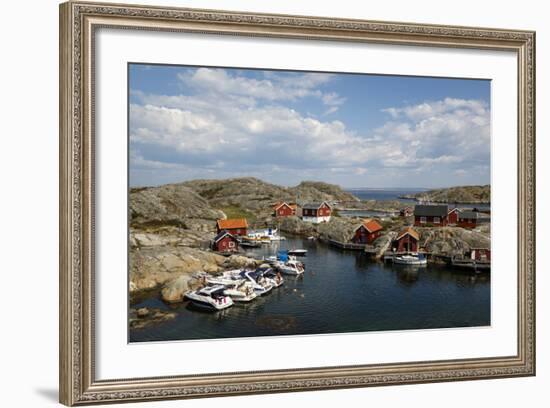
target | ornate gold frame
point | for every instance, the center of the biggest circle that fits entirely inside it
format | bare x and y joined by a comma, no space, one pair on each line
78,22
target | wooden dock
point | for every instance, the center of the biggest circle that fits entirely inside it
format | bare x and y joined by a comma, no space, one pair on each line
472,264
346,245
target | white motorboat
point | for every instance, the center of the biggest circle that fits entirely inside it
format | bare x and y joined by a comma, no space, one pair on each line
210,297
265,236
290,267
260,283
270,259
413,259
241,293
275,278
297,252
226,279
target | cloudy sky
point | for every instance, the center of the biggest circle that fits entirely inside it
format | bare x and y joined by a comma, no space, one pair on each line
285,127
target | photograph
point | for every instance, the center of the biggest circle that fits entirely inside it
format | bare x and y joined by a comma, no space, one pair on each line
268,202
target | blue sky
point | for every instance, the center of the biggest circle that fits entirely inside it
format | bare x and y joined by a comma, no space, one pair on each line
285,127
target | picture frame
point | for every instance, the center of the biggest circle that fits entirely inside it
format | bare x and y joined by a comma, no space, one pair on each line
79,22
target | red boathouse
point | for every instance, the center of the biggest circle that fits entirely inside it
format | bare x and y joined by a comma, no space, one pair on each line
225,242
406,241
235,226
367,232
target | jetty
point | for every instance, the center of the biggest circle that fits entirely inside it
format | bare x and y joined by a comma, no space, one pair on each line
346,245
472,264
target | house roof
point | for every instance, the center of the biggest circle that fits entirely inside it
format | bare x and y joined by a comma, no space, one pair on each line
455,209
279,203
371,225
222,234
314,206
409,231
469,215
431,210
232,223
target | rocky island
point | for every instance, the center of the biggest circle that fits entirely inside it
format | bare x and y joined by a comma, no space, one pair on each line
457,195
171,226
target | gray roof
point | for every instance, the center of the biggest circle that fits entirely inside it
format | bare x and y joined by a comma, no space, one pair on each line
313,206
431,210
473,215
469,214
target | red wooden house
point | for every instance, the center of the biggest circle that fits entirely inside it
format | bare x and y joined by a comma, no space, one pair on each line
406,241
235,226
284,209
431,214
367,232
452,216
225,242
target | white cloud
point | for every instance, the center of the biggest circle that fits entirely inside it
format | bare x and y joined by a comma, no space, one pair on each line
239,125
274,86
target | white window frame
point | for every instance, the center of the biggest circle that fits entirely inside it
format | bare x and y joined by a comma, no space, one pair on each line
437,220
423,220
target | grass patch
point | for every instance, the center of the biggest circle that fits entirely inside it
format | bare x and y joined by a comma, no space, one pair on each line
236,211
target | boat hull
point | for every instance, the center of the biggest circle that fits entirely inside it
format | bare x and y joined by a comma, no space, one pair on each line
208,303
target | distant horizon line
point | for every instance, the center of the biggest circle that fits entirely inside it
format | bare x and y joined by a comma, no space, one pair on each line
314,181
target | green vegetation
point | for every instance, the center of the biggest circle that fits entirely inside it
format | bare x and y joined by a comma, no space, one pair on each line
235,211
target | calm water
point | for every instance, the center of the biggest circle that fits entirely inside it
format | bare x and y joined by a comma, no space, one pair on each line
339,292
385,194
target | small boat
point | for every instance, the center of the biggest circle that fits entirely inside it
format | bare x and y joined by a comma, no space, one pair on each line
228,281
297,252
290,267
210,297
275,278
260,284
270,259
412,259
245,243
265,236
241,293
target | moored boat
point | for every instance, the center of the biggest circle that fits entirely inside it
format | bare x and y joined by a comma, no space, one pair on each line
260,284
274,277
297,252
246,243
410,259
210,298
290,267
241,293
